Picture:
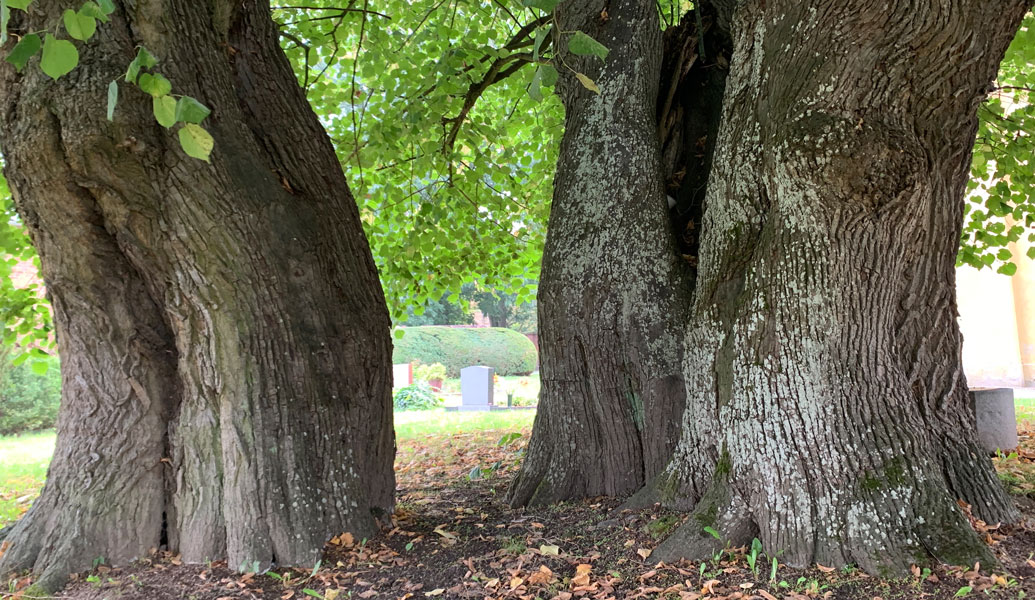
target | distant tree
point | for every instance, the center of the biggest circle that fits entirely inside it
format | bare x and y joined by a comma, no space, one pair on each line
440,312
502,308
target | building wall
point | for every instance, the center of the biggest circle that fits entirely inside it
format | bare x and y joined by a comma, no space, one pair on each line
997,318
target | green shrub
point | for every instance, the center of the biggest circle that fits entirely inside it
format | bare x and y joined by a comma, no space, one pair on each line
28,401
429,372
415,397
505,350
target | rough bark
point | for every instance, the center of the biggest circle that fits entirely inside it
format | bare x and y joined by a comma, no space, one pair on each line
225,340
613,292
829,415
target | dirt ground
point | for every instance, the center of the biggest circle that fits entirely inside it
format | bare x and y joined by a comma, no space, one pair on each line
453,537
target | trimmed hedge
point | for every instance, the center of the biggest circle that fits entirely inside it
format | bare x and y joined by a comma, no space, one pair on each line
29,401
506,350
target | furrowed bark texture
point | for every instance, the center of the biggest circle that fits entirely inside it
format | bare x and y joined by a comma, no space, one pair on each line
613,293
224,336
829,415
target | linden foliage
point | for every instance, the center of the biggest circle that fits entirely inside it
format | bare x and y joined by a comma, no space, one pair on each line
59,56
440,116
450,158
1002,183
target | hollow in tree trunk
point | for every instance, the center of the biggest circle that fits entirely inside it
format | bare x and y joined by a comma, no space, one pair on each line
225,341
829,415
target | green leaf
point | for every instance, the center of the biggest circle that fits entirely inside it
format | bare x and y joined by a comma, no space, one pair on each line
196,142
583,45
189,110
113,98
24,50
547,5
19,4
40,367
59,57
587,82
549,75
540,37
1007,269
533,86
156,84
143,60
78,25
963,591
107,6
92,10
164,108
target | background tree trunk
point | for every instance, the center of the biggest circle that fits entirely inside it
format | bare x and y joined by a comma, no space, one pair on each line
225,338
823,353
613,291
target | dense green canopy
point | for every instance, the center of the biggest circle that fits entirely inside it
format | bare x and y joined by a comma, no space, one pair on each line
438,114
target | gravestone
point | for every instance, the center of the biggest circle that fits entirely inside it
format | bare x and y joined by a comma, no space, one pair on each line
402,375
476,388
996,418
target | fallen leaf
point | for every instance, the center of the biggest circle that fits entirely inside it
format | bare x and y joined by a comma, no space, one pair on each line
824,569
368,594
436,592
516,582
550,550
542,576
643,552
581,577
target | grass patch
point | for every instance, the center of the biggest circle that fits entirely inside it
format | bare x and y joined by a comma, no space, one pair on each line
1025,409
23,467
417,424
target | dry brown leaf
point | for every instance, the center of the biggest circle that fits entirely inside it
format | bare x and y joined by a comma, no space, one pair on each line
825,569
581,577
766,595
543,576
643,552
710,585
368,594
516,582
436,592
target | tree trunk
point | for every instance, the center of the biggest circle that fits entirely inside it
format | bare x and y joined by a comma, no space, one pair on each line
830,417
609,362
225,340
613,292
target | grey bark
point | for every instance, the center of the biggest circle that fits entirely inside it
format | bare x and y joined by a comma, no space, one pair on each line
830,414
225,340
613,292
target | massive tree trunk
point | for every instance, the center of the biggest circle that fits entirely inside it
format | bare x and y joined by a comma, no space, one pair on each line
614,292
225,340
612,405
823,355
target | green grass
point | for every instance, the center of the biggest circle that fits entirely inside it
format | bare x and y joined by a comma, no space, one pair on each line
23,467
1025,409
414,424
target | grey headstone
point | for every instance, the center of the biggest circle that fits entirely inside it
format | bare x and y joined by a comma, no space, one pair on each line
476,387
996,418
